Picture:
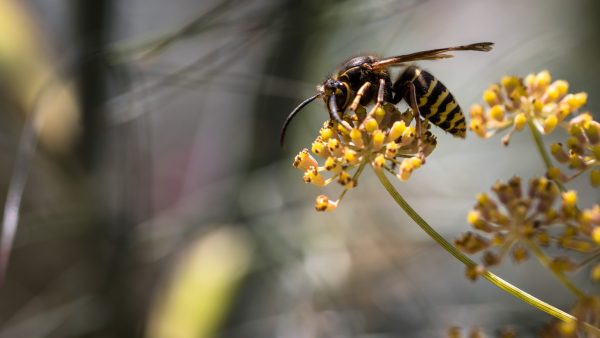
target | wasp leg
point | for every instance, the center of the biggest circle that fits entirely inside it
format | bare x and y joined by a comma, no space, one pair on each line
380,97
359,94
417,115
334,115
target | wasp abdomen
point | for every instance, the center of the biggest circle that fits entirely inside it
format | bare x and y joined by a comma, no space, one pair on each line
434,100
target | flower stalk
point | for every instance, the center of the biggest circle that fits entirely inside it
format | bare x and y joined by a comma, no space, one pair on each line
492,278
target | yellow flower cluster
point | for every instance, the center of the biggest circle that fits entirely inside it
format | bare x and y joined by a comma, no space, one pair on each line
384,138
521,219
581,151
515,101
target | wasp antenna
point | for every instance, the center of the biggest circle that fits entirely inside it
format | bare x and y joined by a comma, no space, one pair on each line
292,114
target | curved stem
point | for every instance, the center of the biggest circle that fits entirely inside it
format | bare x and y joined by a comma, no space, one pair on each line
494,279
539,144
559,274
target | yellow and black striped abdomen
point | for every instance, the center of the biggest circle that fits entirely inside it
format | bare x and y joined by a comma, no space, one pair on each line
435,101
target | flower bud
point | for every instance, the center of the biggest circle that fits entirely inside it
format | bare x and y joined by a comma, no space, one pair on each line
323,203
304,160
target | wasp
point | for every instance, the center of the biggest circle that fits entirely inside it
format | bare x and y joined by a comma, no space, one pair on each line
363,80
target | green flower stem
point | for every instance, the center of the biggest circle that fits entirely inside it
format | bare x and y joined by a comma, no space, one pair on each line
559,274
497,281
537,137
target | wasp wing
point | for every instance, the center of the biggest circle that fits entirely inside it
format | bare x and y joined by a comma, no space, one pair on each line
433,54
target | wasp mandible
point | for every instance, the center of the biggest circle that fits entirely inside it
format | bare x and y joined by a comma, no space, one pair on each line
366,79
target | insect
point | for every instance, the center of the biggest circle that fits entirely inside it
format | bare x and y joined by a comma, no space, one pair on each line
366,79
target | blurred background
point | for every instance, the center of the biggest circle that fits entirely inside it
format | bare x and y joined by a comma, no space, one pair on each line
157,202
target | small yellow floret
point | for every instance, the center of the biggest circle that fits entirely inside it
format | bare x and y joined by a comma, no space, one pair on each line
351,157
326,133
334,146
567,327
378,139
473,217
415,162
550,123
543,79
509,82
312,176
478,127
408,135
323,203
575,101
379,161
396,131
476,111
304,160
497,112
379,113
520,121
490,97
371,125
569,198
356,137
319,148
331,164
554,173
561,86
552,94
391,149
345,180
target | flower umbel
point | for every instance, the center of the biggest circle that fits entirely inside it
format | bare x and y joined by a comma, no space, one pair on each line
518,221
581,151
514,101
383,138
